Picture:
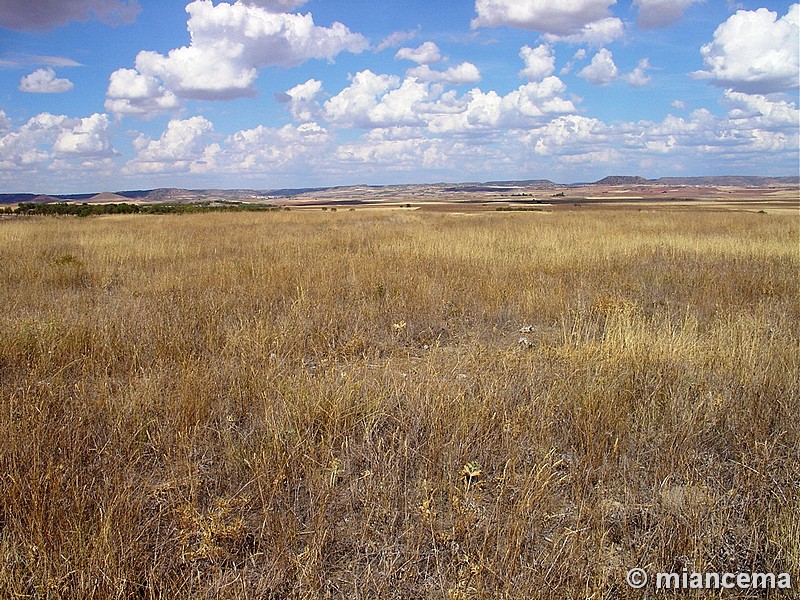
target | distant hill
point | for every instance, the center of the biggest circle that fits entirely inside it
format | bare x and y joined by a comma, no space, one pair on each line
714,180
537,183
728,180
622,180
17,198
107,197
182,196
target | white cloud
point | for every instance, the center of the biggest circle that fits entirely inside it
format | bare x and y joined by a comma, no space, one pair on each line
678,104
639,77
596,33
264,149
373,100
44,81
381,101
261,38
755,111
24,15
5,122
425,54
353,105
755,52
701,139
55,142
578,56
660,13
276,5
537,100
402,153
88,137
479,111
419,129
561,18
200,71
16,61
602,70
302,100
131,93
576,21
569,134
29,146
403,105
397,38
754,125
229,44
540,62
464,73
180,148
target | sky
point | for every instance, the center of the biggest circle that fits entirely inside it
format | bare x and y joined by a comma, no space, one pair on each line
110,95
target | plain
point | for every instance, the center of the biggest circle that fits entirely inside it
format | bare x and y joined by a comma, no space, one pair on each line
396,404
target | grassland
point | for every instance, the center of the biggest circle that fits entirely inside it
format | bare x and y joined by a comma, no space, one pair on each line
389,404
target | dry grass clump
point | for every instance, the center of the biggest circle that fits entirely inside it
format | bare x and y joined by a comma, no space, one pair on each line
395,405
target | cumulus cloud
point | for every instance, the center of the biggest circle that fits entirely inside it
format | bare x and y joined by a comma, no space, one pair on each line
756,111
354,105
540,62
181,147
276,5
44,81
302,100
185,147
754,52
384,148
639,77
87,137
24,15
374,100
702,138
229,44
569,134
660,13
5,122
602,70
466,72
264,149
60,142
29,146
132,93
425,54
596,33
577,21
478,111
418,128
562,18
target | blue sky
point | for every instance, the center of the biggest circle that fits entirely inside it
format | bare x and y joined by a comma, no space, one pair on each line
122,94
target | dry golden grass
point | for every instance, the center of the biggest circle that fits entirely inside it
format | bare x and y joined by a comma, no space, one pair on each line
396,405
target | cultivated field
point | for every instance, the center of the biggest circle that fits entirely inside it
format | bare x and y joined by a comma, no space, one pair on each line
396,404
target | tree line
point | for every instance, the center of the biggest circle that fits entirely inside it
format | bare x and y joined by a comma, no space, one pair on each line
124,208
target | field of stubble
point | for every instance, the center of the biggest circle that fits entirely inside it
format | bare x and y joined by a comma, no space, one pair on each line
396,404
